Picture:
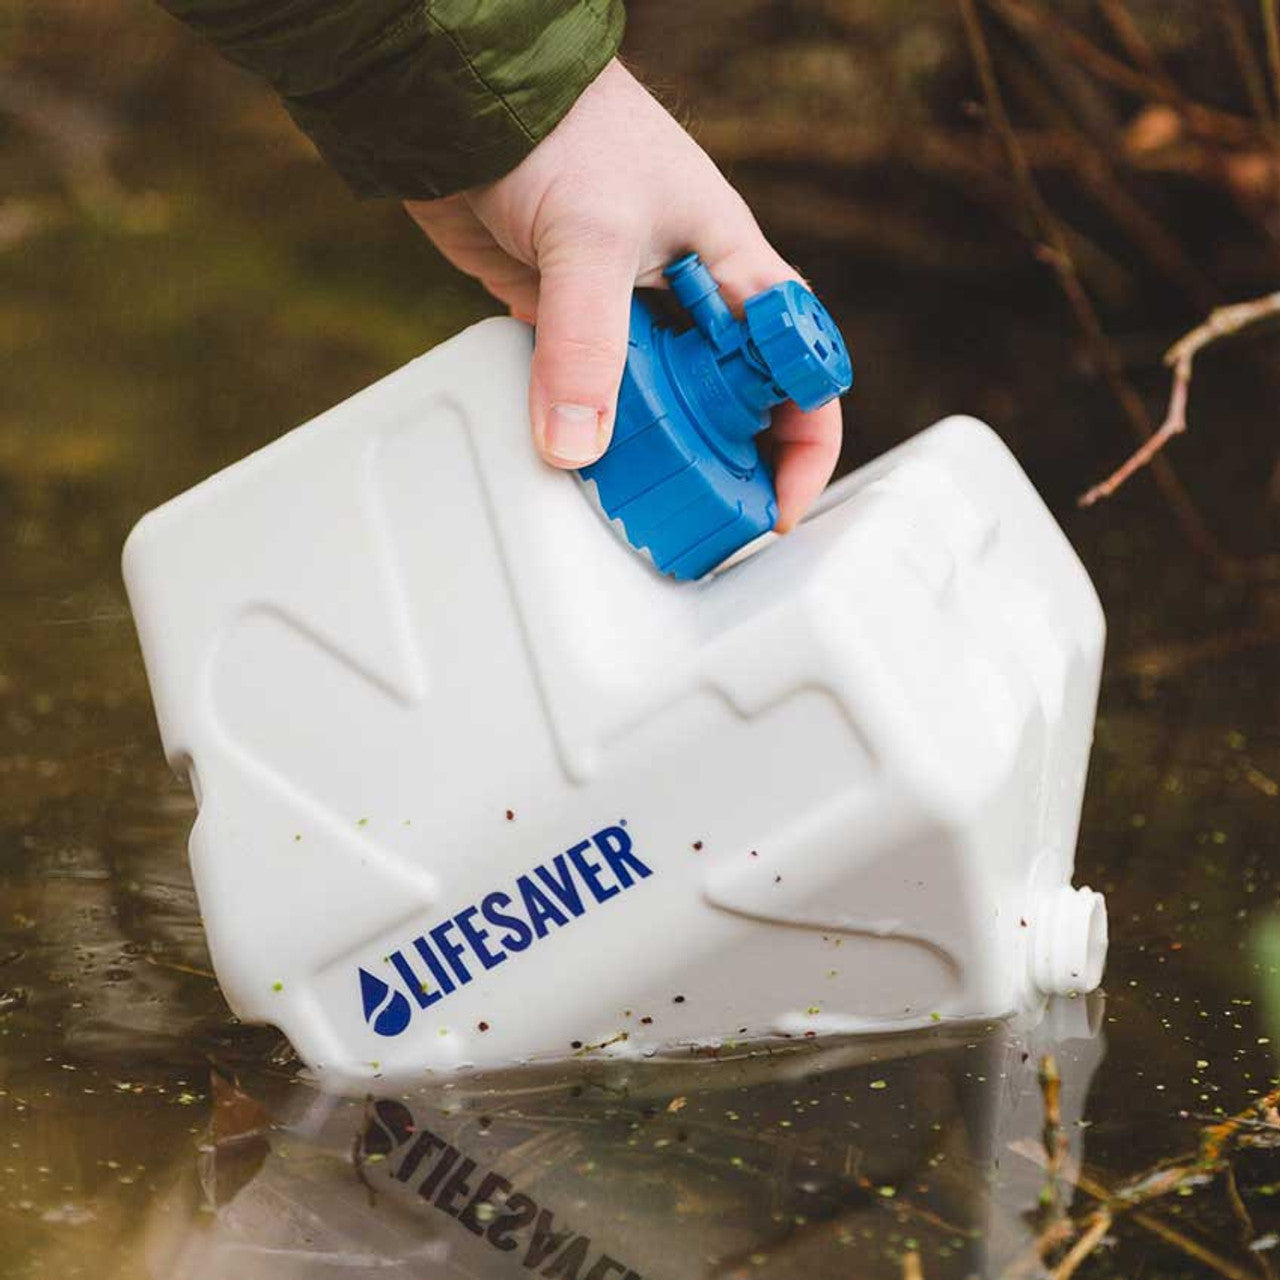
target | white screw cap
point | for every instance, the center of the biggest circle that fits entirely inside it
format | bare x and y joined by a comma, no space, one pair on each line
1068,941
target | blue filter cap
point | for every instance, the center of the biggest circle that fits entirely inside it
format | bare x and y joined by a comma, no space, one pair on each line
682,474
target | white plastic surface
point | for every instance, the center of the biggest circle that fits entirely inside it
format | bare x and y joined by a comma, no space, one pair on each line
405,664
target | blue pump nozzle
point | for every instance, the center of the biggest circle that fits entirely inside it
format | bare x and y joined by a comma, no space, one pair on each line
698,293
682,473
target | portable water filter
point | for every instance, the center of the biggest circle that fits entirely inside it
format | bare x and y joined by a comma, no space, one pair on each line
682,475
477,785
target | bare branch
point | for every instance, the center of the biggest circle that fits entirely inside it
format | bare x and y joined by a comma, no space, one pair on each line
1202,119
1181,357
1084,1246
1056,252
1271,21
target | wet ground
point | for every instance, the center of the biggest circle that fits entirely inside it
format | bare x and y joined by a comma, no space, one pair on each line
169,299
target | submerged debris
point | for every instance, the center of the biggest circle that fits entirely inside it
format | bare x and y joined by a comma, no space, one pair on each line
13,999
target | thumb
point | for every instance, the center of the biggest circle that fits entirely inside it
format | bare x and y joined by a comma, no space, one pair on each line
584,309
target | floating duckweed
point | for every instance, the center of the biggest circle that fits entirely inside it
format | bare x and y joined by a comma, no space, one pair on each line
879,1084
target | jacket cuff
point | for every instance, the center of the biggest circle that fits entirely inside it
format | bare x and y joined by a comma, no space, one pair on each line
467,92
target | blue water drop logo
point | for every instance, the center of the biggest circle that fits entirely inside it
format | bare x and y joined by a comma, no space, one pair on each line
387,1011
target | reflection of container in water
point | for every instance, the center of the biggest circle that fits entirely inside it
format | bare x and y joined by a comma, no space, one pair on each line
814,1161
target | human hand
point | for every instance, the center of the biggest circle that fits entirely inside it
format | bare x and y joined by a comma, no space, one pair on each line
615,192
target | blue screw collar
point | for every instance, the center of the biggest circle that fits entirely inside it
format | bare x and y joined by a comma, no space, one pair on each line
682,473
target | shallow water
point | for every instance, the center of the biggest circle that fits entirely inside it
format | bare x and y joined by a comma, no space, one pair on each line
163,324
145,1133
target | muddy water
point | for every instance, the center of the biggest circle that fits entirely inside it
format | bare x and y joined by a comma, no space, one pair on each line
144,1133
156,326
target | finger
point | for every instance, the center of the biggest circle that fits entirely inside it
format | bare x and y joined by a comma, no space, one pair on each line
745,273
806,445
737,254
452,226
584,308
515,285
806,450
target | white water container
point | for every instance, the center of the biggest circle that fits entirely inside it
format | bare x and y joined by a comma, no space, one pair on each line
478,786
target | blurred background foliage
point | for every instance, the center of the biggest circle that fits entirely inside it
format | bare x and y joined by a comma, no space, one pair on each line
174,198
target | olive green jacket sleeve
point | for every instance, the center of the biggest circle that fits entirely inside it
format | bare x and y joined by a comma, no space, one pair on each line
417,98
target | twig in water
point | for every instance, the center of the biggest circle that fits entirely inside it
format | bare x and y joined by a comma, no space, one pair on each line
1245,1221
1181,357
1147,1221
1216,1144
161,963
1192,1248
1088,1242
911,1268
1055,1141
359,1158
1220,1137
